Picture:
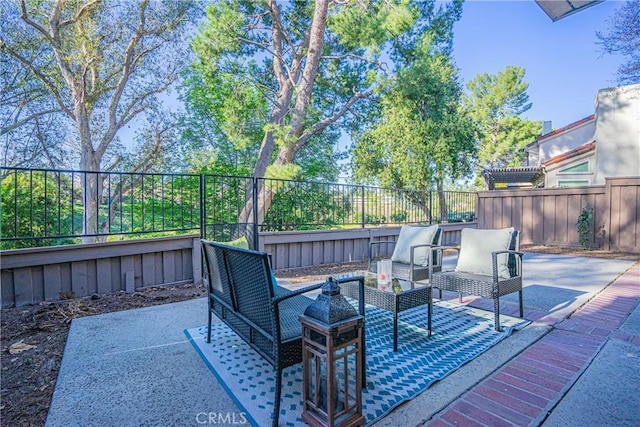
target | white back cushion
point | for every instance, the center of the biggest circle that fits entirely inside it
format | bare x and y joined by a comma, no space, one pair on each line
411,236
476,247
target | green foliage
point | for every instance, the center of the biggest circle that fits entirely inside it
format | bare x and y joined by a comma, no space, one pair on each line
377,21
236,91
307,205
585,226
495,101
399,216
422,134
34,205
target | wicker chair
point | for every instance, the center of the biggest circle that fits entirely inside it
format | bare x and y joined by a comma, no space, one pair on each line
241,293
500,279
411,269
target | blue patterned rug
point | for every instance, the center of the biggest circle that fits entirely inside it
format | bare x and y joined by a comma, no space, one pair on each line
460,333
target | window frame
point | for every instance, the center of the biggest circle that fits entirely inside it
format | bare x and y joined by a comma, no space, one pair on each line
586,181
562,171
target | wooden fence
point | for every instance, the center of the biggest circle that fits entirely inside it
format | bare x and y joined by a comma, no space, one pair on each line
297,249
549,216
30,276
33,275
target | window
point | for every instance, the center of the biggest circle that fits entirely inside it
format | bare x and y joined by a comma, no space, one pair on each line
563,183
582,167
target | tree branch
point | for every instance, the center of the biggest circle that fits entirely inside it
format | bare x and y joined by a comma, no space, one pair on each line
324,123
25,18
28,64
84,9
18,123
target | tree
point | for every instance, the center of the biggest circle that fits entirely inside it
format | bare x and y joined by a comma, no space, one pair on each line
316,63
96,66
623,38
424,135
495,102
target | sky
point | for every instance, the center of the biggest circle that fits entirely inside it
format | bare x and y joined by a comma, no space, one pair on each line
564,65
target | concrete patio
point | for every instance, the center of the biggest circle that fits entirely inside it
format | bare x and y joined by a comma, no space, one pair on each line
137,367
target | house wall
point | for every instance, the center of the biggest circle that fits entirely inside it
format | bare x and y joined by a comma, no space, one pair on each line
561,143
617,132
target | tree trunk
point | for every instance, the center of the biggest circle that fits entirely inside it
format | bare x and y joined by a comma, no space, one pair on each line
444,217
304,91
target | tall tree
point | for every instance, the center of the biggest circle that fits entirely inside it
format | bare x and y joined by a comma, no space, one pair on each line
424,135
314,62
496,101
623,38
97,65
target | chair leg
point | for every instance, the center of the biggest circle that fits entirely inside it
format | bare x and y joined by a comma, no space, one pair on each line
521,307
276,404
496,313
209,325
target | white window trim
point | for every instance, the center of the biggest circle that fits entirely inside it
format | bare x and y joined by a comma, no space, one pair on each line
587,161
586,180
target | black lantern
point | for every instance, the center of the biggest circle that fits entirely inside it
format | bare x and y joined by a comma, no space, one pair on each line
332,360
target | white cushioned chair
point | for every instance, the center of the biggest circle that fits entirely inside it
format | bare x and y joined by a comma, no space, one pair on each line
411,259
489,265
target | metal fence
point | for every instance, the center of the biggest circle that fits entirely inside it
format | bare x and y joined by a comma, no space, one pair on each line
42,207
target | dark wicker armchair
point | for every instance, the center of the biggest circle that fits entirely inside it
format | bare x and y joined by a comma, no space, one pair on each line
242,294
410,267
487,273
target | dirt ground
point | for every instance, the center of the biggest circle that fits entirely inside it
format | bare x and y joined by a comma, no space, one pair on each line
33,337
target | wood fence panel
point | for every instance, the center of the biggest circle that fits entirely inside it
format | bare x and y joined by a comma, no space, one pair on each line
338,250
306,254
177,265
65,276
625,215
23,286
127,270
561,233
92,282
103,275
317,253
37,281
79,278
549,216
168,267
53,282
527,220
148,271
192,265
116,275
7,291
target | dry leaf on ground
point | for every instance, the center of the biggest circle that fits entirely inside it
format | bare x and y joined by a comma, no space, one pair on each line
21,346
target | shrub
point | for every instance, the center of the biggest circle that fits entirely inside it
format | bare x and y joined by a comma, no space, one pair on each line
585,226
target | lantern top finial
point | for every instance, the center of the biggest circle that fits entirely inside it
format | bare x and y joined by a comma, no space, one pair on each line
330,287
330,306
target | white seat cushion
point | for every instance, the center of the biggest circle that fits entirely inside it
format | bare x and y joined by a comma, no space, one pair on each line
411,236
476,247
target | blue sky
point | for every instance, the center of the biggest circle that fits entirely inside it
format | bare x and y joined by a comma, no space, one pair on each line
565,67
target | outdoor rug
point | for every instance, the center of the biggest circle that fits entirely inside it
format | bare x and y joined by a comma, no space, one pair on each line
460,333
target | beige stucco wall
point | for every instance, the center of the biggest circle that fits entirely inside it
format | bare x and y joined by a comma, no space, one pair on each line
617,132
559,144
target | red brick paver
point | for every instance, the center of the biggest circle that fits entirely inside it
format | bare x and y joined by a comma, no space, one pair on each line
523,390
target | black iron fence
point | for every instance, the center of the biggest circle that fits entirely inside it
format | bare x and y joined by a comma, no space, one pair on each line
41,207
